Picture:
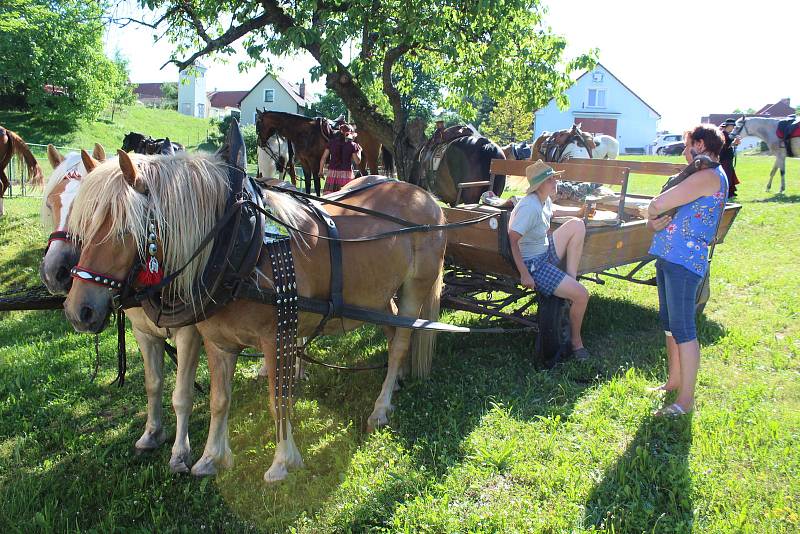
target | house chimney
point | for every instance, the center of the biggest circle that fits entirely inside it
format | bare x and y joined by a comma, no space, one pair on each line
303,89
785,101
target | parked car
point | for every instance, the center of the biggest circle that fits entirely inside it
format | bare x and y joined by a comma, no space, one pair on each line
663,140
672,149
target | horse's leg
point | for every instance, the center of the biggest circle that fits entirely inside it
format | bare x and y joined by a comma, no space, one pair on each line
316,182
287,455
187,341
778,165
221,365
389,332
152,349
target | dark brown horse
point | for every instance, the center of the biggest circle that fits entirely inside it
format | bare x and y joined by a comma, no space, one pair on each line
10,144
144,144
444,163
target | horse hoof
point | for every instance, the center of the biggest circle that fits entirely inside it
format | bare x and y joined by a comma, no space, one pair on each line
204,467
150,442
179,463
378,419
276,473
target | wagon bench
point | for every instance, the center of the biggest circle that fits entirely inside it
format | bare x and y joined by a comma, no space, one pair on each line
481,275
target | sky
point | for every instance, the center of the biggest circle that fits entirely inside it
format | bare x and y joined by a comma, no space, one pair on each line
684,58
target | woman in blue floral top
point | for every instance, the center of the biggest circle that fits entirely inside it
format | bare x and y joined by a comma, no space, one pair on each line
681,244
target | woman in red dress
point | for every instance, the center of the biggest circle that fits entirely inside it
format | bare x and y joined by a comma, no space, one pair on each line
343,152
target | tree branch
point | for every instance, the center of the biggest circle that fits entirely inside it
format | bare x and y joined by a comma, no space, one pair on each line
389,60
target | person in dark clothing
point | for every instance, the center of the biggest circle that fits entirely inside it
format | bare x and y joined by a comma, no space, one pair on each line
728,153
343,152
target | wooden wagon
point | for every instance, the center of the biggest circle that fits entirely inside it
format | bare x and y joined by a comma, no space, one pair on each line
481,276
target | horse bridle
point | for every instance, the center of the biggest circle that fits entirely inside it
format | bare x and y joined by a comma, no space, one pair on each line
739,129
276,158
63,235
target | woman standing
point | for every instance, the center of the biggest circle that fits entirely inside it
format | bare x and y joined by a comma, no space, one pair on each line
681,245
728,154
343,152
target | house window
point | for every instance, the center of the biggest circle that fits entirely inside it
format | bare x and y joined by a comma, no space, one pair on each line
597,76
201,110
269,95
187,108
597,98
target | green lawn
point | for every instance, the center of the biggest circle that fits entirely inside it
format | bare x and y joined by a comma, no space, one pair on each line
157,123
488,444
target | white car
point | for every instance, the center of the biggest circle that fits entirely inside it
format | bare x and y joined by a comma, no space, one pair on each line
663,140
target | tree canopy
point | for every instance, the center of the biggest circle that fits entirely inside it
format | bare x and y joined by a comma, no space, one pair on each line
447,53
53,58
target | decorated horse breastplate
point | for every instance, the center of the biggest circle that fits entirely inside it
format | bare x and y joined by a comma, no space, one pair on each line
233,259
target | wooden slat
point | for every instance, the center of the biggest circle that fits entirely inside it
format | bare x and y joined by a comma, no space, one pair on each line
657,168
572,171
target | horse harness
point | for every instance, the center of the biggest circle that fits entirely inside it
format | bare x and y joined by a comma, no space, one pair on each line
552,150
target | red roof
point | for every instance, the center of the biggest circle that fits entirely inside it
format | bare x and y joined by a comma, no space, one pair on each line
226,99
782,108
148,90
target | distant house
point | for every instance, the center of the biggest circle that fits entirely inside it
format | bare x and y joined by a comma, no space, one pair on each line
273,94
601,103
781,108
223,103
149,94
192,98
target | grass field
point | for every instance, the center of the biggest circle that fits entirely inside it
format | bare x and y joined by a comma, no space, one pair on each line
488,444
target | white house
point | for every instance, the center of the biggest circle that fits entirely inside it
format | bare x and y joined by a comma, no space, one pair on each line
601,103
273,94
192,99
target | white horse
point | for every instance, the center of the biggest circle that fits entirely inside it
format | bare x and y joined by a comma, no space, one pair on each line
275,161
765,128
574,151
606,147
62,255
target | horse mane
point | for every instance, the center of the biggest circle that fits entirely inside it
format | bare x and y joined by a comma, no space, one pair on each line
71,160
289,115
187,196
19,147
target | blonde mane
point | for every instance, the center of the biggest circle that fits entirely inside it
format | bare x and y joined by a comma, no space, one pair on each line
71,161
187,196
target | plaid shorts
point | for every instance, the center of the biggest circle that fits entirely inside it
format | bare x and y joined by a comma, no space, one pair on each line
545,271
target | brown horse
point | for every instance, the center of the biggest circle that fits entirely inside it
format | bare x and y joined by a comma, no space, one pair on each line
10,144
372,149
110,215
309,137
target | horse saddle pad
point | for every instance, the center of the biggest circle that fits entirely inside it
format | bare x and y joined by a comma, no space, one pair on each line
788,128
233,259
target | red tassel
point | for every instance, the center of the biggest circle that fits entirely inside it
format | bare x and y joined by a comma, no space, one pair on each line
151,274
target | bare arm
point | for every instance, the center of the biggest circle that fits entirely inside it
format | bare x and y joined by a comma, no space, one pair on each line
357,155
323,160
525,277
700,184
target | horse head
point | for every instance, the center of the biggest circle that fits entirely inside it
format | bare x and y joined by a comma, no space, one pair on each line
63,250
166,147
266,126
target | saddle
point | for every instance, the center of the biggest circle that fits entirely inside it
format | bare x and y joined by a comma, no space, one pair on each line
234,254
553,147
787,129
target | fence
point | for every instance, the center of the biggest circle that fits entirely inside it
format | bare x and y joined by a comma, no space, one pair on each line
18,174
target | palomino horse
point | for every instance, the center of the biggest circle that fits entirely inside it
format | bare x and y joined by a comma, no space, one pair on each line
111,214
372,148
442,167
62,255
144,144
766,128
10,144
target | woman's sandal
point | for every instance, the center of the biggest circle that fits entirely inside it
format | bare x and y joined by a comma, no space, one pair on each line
673,410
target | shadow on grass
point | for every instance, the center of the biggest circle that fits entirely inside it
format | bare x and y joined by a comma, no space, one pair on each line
779,198
649,488
39,128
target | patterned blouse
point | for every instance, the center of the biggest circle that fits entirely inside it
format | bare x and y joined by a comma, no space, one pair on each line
686,240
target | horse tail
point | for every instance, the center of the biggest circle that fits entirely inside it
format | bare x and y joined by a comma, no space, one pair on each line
36,176
388,160
493,151
423,342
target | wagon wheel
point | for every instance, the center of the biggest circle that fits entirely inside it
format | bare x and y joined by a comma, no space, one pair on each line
553,341
703,293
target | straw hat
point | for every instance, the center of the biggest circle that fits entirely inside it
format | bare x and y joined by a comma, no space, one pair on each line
537,174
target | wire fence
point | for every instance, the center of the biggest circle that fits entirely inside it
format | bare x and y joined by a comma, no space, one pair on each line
19,177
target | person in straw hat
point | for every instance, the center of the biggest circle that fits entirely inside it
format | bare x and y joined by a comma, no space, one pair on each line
538,254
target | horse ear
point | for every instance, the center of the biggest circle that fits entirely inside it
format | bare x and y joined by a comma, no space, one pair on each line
233,149
128,168
99,153
88,161
166,148
54,156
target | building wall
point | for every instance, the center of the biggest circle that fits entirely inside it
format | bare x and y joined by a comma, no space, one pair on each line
282,100
192,99
636,123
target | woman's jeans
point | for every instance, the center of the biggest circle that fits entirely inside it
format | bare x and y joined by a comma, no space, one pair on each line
677,295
